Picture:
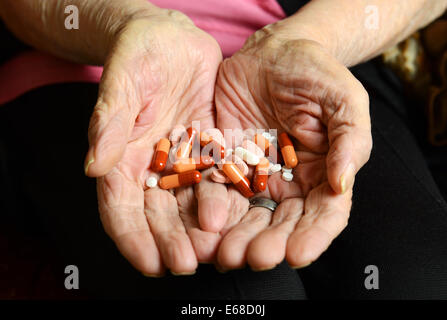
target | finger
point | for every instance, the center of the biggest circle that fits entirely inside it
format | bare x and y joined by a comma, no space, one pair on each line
121,207
169,232
307,128
311,171
268,249
326,215
350,141
238,208
205,243
112,121
212,201
232,252
280,189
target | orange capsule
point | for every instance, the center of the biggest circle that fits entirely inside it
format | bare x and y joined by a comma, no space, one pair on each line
268,148
261,175
237,177
180,180
202,163
263,143
185,147
287,151
161,155
205,139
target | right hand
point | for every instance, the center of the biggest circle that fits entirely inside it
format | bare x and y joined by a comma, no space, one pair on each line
294,86
160,72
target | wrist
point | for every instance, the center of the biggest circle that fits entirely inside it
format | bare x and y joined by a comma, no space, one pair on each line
114,15
284,31
147,19
290,30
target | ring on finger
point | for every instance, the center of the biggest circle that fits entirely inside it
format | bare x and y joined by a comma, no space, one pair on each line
263,202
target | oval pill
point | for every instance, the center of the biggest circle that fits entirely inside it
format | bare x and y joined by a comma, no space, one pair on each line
248,156
238,179
161,155
180,180
243,167
287,151
219,177
252,147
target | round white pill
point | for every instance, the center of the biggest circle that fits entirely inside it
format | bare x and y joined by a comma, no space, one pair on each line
287,176
151,182
284,169
275,168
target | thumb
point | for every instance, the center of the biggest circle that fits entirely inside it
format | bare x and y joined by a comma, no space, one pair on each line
350,141
110,126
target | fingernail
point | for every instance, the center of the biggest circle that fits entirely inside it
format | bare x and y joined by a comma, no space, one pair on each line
302,266
148,275
87,165
263,269
347,178
183,273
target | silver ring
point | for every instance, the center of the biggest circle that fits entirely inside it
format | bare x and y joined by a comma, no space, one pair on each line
263,202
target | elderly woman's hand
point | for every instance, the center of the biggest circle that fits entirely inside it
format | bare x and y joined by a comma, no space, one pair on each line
160,72
297,87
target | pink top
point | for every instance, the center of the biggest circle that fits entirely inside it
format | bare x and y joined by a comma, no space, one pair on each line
230,22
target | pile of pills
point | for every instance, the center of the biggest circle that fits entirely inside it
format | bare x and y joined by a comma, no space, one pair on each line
258,151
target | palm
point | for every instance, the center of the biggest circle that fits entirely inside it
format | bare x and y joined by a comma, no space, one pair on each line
152,91
275,104
282,89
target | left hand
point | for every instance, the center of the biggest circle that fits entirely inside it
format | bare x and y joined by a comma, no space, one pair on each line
298,87
159,73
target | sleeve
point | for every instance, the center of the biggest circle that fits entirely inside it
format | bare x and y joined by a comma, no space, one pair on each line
291,6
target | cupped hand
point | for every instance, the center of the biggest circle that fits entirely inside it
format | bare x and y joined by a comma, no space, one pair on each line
160,72
294,86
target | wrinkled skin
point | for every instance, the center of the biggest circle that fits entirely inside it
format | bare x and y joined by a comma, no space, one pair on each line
147,88
297,87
